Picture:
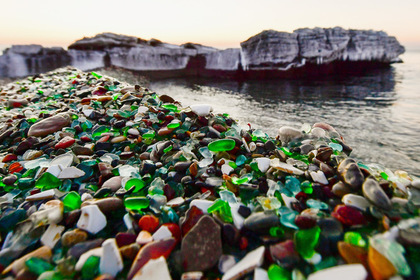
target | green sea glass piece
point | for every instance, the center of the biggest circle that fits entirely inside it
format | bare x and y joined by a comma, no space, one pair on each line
354,238
149,134
137,203
258,135
222,209
174,124
306,241
221,145
276,272
171,107
72,201
38,265
91,267
96,75
99,130
306,187
276,232
239,181
135,182
48,181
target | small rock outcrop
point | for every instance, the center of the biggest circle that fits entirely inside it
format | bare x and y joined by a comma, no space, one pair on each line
24,60
303,53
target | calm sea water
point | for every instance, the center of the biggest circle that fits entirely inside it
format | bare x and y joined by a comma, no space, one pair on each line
378,114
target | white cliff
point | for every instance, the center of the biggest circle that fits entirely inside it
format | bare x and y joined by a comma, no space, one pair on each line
148,58
226,60
269,50
24,60
87,59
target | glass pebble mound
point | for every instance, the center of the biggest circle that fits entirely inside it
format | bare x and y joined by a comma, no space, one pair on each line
104,180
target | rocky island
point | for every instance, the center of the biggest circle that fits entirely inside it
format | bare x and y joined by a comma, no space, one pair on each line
305,53
105,180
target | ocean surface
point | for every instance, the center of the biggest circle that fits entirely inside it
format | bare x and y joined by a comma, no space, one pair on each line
377,114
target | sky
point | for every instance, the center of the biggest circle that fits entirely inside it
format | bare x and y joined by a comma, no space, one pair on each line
218,23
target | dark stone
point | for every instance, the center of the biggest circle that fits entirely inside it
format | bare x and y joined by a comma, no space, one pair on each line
261,222
285,254
147,167
409,233
375,194
230,234
71,218
212,133
77,250
106,146
350,173
181,166
9,180
201,248
23,147
192,216
244,211
270,146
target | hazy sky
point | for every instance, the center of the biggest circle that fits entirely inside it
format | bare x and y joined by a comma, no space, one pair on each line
219,23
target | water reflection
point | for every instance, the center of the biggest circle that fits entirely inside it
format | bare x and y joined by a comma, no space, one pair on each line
378,86
361,108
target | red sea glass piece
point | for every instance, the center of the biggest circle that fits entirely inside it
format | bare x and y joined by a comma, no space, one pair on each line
104,138
243,243
124,238
348,215
9,157
15,167
65,143
149,223
85,139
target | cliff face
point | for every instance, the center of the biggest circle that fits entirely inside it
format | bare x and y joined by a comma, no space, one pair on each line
319,46
265,55
24,60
